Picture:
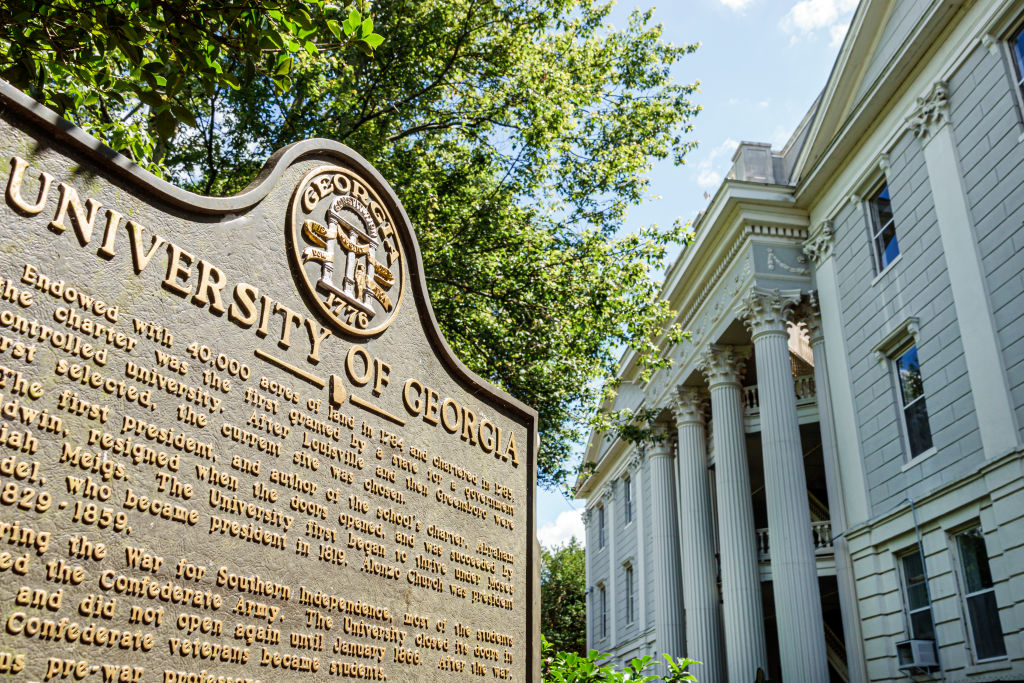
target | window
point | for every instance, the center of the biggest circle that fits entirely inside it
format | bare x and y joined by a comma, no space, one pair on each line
602,611
1017,49
600,526
630,599
628,486
883,228
980,596
919,609
912,403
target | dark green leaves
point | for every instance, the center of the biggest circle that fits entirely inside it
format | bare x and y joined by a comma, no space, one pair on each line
97,62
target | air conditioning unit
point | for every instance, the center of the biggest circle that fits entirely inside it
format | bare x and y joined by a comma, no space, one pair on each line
917,654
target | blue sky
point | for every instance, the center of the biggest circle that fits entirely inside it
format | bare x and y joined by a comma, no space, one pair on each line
760,65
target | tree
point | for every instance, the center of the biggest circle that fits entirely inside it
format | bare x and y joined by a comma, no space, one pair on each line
563,604
120,68
516,133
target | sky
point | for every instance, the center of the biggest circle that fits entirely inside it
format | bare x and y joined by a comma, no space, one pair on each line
760,65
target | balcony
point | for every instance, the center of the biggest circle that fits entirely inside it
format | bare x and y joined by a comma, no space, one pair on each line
806,403
823,551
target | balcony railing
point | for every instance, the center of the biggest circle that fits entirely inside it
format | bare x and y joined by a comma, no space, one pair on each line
802,384
822,532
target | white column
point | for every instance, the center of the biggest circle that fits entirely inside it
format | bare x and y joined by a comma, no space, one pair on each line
743,618
794,569
588,574
636,467
609,520
986,369
668,608
848,605
851,458
700,583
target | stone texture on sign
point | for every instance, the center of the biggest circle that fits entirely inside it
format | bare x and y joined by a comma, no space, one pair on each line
206,476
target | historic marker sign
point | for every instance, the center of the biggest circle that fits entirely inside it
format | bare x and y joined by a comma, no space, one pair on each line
234,446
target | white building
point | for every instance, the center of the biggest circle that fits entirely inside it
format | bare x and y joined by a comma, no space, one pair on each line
842,499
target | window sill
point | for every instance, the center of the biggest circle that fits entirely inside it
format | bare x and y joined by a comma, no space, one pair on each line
988,666
919,459
889,267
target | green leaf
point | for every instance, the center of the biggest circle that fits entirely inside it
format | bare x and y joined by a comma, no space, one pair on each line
334,28
374,40
352,23
366,27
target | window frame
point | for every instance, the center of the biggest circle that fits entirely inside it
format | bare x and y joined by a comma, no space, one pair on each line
602,611
905,586
627,485
630,581
966,596
601,533
894,361
1007,48
875,229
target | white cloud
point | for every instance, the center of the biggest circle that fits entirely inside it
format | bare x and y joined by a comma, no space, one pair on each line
837,33
709,178
736,5
567,525
808,16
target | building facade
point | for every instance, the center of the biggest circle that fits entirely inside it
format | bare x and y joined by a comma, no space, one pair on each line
834,490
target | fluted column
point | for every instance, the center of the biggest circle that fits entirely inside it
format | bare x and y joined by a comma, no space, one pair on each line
700,584
743,617
588,574
668,607
794,569
848,605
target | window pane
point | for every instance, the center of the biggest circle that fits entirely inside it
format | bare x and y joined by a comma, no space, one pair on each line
910,376
884,228
1018,53
888,245
912,568
988,634
921,625
974,558
919,432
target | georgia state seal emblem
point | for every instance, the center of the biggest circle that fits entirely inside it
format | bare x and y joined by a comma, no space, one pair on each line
343,242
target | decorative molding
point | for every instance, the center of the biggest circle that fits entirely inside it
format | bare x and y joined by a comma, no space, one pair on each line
883,163
931,112
586,516
776,231
689,405
819,248
723,364
990,43
774,260
766,311
635,461
810,314
908,329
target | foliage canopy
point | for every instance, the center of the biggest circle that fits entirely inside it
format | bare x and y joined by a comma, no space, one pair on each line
516,133
563,605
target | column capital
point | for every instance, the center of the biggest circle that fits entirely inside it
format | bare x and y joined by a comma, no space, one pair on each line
662,446
930,112
635,461
723,364
586,516
765,311
688,405
809,313
819,248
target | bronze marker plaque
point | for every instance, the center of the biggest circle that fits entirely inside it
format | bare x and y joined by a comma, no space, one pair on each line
233,444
